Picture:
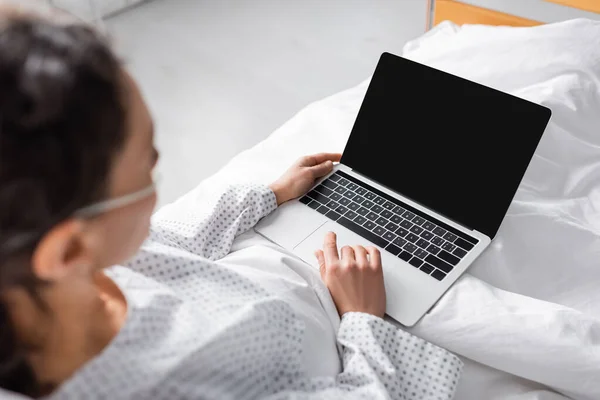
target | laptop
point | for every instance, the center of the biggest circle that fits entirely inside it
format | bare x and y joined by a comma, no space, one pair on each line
429,170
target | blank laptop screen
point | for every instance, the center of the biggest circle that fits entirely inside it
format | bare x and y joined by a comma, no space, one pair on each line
450,144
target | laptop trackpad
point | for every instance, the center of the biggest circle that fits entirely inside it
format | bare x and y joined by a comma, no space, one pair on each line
290,224
345,237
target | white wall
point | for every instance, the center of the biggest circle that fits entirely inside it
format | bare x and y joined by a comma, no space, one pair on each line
539,10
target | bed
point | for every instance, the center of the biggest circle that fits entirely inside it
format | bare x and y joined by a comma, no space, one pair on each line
525,319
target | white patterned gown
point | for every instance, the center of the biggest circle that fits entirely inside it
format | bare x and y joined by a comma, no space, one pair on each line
208,321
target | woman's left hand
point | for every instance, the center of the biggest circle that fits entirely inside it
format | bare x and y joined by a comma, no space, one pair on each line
301,176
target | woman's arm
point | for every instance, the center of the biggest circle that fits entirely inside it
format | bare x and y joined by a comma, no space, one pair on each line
382,362
209,230
379,360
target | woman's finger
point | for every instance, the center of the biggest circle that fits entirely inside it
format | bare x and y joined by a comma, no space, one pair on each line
361,255
330,248
322,169
374,257
320,158
321,260
347,253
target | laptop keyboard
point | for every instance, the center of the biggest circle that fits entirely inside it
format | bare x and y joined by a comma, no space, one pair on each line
425,243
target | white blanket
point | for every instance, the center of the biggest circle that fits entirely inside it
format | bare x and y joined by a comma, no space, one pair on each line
526,319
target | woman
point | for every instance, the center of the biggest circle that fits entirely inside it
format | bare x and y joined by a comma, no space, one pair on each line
184,319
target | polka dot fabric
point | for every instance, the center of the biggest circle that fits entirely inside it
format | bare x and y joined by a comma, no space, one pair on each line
197,329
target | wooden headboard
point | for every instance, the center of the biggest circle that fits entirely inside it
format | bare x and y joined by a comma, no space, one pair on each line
461,12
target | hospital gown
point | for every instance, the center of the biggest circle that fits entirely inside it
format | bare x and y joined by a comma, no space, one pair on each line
202,326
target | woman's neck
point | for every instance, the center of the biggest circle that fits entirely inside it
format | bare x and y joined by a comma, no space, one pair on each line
81,319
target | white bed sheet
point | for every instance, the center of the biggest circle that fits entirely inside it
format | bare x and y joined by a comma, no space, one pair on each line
526,318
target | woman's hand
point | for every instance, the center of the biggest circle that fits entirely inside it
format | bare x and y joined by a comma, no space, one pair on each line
301,176
355,280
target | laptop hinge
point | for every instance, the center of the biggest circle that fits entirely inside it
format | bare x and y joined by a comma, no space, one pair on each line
422,205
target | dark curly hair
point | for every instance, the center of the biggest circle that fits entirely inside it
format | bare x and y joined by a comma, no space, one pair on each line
62,122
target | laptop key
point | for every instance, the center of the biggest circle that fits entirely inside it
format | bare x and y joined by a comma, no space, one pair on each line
399,242
416,262
439,263
362,211
353,206
350,215
340,190
376,208
449,247
438,241
401,232
369,195
335,197
427,268
372,216
360,220
416,229
333,215
429,226
439,231
359,199
458,252
379,241
361,191
439,275
321,198
343,182
396,219
305,200
387,214
389,236
411,237
405,224
331,185
395,250
422,243
391,226
379,200
344,201
369,225
398,210
449,258
418,220
426,235
421,253
332,204
381,221
352,186
388,205
410,247
341,210
449,236
433,249
324,190
405,255
314,205
408,215
379,230
323,210
335,177
464,244
350,195
367,204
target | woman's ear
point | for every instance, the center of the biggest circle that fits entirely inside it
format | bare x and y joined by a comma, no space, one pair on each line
61,252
